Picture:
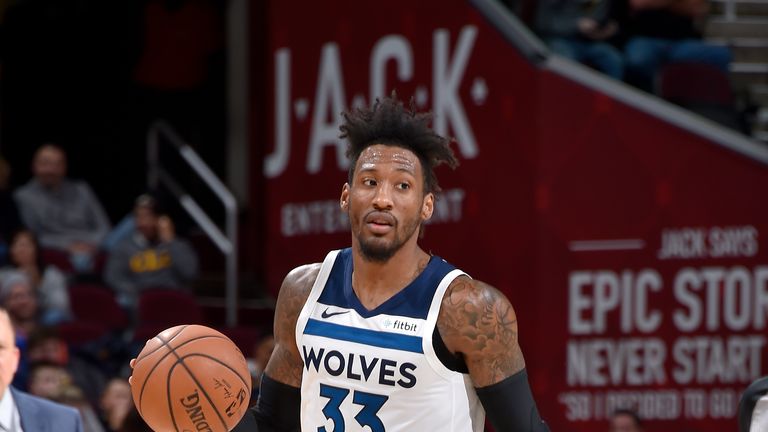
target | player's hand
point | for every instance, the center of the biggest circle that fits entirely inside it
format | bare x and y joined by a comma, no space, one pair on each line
131,364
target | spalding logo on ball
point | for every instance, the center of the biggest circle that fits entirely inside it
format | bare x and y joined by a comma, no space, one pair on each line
191,378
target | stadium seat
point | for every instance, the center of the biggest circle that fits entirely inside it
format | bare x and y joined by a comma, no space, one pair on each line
161,308
169,306
57,258
701,88
245,337
76,333
94,303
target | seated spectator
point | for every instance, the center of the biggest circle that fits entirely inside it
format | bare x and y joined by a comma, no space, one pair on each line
71,395
50,284
19,301
47,380
258,362
151,257
115,404
625,420
664,31
18,297
581,31
53,382
64,214
46,346
134,423
9,214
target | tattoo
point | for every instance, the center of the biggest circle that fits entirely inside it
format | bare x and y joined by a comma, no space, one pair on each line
285,364
477,322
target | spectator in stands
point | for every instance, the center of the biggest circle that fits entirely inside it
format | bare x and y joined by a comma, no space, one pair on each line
9,214
46,346
258,361
20,303
261,353
71,395
18,297
581,31
53,382
50,284
152,257
115,404
65,214
134,423
47,380
27,411
625,420
665,31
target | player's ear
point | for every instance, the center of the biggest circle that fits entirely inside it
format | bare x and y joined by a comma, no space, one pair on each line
344,200
427,207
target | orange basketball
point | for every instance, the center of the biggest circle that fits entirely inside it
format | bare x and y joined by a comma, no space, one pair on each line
191,377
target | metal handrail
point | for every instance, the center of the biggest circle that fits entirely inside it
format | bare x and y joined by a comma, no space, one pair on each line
225,241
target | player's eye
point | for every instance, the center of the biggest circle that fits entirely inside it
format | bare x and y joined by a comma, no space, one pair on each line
369,182
403,186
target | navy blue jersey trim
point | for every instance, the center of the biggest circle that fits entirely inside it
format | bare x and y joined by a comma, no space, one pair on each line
413,301
364,336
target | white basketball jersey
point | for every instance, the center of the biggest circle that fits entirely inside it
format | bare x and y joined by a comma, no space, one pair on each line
377,371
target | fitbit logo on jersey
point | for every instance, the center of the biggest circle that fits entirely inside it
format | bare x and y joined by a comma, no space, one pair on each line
399,325
195,412
361,368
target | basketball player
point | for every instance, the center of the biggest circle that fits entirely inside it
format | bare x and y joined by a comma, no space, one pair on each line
384,336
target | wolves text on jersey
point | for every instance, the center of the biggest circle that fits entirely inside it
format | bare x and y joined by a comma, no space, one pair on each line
361,368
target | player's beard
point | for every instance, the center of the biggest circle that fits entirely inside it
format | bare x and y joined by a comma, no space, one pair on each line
377,249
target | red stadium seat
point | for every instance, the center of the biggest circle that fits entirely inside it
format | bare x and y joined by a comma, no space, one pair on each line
245,337
168,307
694,82
161,308
94,303
703,89
57,258
79,332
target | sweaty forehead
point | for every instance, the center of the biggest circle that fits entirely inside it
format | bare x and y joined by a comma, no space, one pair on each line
381,154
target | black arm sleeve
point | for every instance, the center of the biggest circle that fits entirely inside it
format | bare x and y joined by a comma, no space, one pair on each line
510,407
276,410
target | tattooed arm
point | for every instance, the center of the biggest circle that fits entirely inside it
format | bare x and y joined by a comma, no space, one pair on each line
285,363
279,400
479,324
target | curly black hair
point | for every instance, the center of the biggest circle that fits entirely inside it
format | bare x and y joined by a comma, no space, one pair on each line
389,122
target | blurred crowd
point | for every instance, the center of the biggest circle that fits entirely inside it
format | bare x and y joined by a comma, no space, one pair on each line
55,240
654,45
629,40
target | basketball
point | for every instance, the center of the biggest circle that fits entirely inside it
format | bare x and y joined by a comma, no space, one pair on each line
191,378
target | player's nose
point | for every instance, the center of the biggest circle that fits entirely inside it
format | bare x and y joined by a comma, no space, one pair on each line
383,198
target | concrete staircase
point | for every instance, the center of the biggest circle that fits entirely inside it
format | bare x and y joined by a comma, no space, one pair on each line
743,26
